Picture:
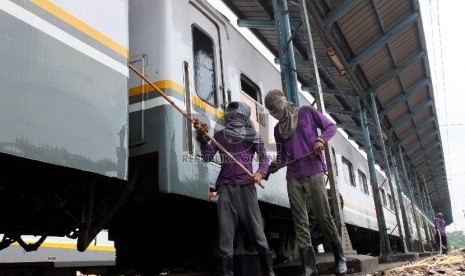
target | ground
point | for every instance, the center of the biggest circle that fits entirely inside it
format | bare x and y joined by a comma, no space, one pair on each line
446,264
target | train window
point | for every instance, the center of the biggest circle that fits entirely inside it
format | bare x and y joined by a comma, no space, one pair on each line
348,172
362,179
250,94
251,89
391,202
334,160
383,196
204,66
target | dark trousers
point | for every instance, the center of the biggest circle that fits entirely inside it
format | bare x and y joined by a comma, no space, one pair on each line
239,203
443,240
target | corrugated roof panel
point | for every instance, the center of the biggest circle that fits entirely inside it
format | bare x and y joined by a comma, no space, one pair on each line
417,100
379,63
427,130
410,140
405,44
428,143
424,115
406,125
334,3
412,75
360,26
389,92
392,12
398,113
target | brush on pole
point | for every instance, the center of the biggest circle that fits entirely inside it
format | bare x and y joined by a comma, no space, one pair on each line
192,121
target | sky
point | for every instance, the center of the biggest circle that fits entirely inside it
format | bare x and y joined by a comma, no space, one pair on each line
442,21
447,61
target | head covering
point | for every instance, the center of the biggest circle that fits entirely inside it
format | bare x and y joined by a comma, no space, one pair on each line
285,112
238,124
439,215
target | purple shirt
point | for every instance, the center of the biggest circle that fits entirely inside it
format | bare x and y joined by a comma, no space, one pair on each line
302,141
440,225
243,152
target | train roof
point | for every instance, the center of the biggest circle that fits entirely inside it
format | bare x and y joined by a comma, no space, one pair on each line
368,48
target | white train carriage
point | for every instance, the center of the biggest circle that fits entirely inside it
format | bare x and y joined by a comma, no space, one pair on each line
354,184
192,54
63,117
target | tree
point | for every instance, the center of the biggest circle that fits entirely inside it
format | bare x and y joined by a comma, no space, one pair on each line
456,240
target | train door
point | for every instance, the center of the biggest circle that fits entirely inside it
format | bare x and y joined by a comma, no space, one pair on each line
206,68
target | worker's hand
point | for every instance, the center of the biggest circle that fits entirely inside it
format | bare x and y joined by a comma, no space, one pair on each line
319,146
200,127
274,167
257,177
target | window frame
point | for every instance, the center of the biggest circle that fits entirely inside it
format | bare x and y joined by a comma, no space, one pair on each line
350,168
363,182
214,93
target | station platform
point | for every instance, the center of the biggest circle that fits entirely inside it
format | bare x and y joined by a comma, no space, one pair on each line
357,264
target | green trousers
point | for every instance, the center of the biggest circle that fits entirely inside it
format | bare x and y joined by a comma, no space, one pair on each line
311,188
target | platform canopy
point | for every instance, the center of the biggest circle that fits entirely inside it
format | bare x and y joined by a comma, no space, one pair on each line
369,53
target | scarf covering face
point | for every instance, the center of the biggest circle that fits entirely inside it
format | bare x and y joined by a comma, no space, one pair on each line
238,124
285,112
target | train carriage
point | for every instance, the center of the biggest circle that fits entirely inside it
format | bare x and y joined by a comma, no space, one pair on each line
114,154
64,121
201,63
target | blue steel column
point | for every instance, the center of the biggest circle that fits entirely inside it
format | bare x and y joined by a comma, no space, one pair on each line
422,205
286,50
415,215
408,235
430,207
412,198
389,175
385,246
312,56
428,221
428,201
330,159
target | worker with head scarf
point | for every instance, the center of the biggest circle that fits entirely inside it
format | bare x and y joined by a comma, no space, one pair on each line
296,134
237,194
441,237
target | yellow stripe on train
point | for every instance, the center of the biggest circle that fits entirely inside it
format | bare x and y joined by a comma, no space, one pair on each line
167,84
61,245
82,26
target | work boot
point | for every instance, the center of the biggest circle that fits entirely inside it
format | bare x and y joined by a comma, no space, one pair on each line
228,268
266,264
339,259
308,261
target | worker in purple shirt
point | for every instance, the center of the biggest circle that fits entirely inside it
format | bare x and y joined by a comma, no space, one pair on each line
296,134
237,193
440,237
